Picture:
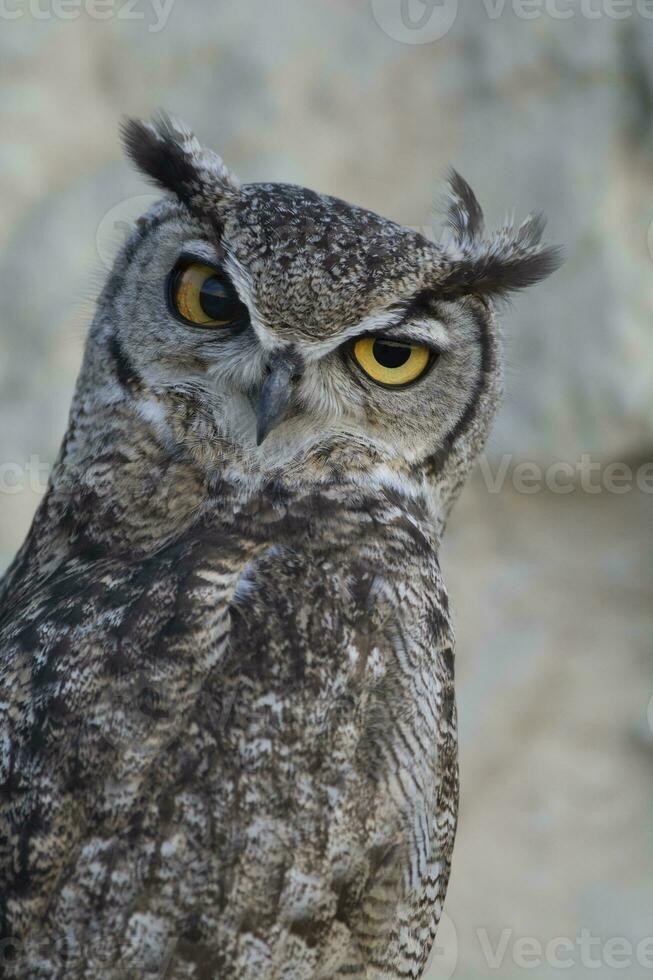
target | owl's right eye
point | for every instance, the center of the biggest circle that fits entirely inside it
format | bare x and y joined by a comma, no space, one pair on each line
202,297
391,363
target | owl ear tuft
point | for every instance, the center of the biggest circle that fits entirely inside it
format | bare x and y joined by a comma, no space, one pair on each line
167,152
513,259
464,215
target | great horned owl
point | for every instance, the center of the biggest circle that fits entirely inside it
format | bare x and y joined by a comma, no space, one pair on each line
227,718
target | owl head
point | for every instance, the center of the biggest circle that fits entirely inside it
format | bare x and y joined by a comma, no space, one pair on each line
266,328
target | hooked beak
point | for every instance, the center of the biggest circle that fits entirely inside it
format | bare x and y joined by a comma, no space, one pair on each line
273,397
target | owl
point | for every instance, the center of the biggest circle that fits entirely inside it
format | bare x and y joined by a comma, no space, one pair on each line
227,719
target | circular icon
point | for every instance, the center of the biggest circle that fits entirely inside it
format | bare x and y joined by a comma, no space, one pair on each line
117,225
415,21
444,955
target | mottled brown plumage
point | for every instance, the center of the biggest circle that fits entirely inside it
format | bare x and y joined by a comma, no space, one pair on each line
227,716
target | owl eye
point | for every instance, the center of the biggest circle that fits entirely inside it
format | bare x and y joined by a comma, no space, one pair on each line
204,298
390,362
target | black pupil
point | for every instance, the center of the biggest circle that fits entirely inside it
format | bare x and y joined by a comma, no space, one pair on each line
217,300
390,355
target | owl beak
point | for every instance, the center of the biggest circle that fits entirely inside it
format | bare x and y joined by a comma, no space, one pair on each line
274,397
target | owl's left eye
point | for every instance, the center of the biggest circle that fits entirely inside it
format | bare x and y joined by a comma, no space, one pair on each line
391,363
203,297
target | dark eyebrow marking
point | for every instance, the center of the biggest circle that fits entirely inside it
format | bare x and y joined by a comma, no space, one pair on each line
422,303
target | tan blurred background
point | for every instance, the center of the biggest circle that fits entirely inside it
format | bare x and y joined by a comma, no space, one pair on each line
542,104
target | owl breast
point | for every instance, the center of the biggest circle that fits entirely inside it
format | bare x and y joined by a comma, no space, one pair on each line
244,754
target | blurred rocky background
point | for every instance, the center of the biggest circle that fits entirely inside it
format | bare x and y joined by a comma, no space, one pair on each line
542,104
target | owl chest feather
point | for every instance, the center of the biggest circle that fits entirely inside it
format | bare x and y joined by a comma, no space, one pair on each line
243,747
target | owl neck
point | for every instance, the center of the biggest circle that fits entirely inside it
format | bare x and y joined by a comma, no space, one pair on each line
120,489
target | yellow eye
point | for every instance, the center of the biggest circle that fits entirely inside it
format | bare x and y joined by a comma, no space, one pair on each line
205,298
391,362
